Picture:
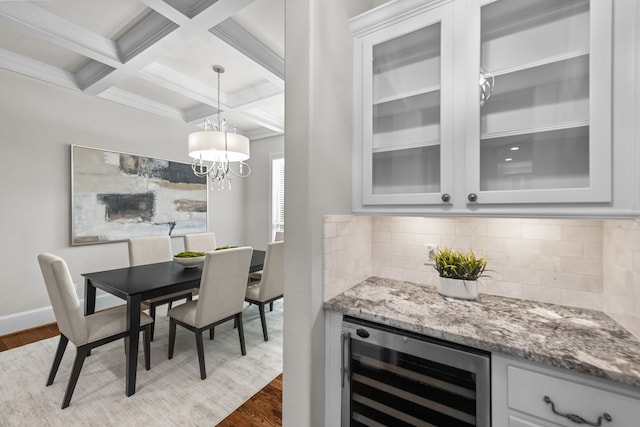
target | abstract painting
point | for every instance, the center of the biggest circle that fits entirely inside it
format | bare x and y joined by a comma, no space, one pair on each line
116,196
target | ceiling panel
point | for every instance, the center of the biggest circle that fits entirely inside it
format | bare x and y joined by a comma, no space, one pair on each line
167,71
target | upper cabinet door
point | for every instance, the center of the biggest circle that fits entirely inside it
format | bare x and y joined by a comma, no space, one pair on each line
542,127
404,112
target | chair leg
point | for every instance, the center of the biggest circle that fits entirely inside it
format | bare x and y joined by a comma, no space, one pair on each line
147,346
212,332
172,337
81,353
152,313
62,345
238,320
200,347
263,319
271,306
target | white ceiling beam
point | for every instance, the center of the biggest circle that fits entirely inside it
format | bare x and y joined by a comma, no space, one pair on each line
185,85
243,41
54,29
141,103
265,120
261,133
38,70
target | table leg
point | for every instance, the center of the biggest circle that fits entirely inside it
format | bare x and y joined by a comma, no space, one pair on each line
89,297
133,326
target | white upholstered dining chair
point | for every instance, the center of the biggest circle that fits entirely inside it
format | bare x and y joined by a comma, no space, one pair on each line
200,242
271,285
222,289
85,332
257,275
151,250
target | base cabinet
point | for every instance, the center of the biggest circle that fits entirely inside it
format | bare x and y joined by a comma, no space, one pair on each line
526,394
518,390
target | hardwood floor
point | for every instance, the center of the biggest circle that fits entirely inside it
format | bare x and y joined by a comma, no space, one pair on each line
263,409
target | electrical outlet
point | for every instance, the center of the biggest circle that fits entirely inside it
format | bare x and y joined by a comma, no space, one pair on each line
431,252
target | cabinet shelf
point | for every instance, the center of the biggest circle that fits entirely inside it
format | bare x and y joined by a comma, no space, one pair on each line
519,132
406,146
553,93
408,94
550,30
575,62
506,18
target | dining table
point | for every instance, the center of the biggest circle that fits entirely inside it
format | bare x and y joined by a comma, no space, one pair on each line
140,283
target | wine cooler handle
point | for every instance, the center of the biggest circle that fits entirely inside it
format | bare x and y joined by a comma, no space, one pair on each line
577,418
346,356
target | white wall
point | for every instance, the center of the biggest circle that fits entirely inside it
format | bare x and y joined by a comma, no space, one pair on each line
38,123
318,108
258,229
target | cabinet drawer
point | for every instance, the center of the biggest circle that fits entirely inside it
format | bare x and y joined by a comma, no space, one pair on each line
527,390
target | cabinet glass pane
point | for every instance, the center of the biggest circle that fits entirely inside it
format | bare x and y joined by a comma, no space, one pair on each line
406,113
534,126
415,170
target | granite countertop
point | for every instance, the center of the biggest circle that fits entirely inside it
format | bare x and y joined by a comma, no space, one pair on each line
585,341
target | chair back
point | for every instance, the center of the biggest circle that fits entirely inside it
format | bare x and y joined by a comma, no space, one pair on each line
272,283
149,250
279,237
64,300
223,284
200,242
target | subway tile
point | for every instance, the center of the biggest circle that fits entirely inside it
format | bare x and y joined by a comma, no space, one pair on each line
381,236
541,231
582,233
329,229
504,289
523,246
561,248
471,228
526,277
582,299
576,282
580,266
481,244
592,250
542,263
455,242
505,229
542,294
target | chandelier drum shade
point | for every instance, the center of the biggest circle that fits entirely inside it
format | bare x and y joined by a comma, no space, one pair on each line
217,150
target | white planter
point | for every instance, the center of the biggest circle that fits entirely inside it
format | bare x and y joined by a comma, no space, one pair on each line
456,288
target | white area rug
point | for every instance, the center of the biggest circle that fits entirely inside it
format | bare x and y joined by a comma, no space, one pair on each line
170,394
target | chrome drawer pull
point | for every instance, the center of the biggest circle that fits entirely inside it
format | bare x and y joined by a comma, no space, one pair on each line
576,418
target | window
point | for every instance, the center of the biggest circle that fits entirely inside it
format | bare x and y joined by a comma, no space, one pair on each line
277,194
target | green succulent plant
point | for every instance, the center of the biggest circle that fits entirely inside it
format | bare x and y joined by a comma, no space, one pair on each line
458,264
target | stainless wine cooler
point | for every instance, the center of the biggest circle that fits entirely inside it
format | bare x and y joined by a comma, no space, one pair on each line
395,378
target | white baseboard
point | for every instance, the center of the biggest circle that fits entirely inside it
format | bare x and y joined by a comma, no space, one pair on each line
32,318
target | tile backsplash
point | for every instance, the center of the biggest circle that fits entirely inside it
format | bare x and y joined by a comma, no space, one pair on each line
621,276
559,261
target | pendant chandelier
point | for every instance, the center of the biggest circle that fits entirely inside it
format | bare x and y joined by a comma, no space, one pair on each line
219,153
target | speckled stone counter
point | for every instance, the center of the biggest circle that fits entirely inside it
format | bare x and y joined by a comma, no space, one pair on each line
586,341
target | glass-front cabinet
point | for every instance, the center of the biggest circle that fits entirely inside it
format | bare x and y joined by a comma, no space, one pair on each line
543,103
406,73
467,103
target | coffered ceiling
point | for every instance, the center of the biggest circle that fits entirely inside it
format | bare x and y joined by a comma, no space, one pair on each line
157,55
